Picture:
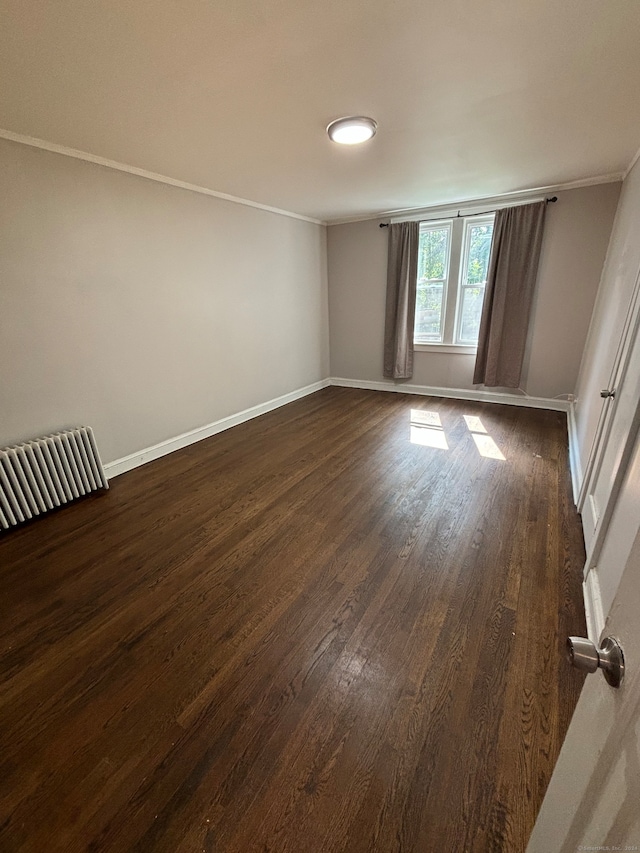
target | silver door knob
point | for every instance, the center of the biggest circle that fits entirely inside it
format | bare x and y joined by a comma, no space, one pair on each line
608,393
583,654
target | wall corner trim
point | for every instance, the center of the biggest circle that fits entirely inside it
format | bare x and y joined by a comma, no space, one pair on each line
454,393
148,454
574,453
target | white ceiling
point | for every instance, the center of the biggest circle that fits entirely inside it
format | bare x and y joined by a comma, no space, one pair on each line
472,98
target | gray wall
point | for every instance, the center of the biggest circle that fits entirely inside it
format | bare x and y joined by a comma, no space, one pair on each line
576,236
618,279
145,310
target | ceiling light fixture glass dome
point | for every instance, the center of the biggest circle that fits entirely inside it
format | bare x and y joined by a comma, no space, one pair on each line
352,130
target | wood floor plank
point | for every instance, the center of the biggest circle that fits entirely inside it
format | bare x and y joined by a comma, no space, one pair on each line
335,628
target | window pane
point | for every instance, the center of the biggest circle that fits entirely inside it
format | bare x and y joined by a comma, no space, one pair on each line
428,311
432,258
472,298
475,264
479,249
433,262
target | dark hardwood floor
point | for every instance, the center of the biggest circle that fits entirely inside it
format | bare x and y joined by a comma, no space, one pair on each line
304,634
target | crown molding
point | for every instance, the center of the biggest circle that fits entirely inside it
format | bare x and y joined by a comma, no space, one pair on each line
474,201
469,204
33,142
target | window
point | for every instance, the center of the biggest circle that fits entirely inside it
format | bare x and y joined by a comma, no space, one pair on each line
453,258
434,250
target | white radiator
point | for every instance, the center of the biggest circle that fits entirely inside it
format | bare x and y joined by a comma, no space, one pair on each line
47,472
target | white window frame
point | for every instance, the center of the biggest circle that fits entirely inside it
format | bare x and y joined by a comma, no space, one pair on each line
469,223
439,225
458,251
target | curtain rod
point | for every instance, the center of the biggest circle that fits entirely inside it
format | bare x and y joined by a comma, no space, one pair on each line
551,200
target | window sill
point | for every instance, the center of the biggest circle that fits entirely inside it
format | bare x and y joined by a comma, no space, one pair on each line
450,349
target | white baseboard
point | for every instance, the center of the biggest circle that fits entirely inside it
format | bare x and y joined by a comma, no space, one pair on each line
148,454
455,393
575,464
156,451
593,606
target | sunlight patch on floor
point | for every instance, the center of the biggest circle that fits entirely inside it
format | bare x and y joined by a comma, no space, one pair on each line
429,437
487,447
474,424
427,429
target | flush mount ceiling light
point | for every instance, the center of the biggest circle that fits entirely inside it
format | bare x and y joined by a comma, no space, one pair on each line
352,130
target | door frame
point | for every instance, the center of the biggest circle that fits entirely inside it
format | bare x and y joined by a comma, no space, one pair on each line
630,332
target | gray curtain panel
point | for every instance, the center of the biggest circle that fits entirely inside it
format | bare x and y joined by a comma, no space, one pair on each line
513,266
402,272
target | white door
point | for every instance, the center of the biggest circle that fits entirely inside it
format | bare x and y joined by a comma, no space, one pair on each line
615,435
593,799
